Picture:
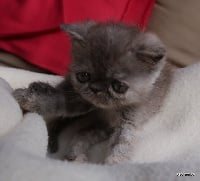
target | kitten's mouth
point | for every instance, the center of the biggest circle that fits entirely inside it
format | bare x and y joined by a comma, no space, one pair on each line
102,105
100,101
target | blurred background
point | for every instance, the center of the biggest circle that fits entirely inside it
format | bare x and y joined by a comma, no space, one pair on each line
30,37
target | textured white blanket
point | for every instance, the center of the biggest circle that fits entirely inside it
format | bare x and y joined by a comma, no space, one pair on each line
23,139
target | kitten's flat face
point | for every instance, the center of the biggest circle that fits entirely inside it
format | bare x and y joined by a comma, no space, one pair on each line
114,65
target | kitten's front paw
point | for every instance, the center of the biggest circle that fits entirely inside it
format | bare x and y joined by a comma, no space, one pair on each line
26,99
82,158
32,98
69,157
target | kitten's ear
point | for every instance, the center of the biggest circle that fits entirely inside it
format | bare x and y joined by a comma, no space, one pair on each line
150,49
77,31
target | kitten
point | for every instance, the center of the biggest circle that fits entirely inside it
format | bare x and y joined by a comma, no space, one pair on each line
118,79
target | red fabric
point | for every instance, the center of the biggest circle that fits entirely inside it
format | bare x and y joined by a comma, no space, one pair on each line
30,28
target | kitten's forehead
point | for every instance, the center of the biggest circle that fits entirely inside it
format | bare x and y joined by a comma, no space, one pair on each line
111,36
107,43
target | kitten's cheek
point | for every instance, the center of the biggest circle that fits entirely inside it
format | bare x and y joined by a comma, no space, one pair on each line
133,98
112,94
80,88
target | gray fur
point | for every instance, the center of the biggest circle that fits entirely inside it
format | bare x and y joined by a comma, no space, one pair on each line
106,55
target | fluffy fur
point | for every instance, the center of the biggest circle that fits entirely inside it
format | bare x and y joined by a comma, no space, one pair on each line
117,81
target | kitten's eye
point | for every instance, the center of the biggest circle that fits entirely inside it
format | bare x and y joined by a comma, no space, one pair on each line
119,87
83,77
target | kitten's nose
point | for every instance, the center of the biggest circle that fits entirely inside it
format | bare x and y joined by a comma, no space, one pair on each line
96,87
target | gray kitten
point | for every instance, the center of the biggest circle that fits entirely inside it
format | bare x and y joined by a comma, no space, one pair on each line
116,82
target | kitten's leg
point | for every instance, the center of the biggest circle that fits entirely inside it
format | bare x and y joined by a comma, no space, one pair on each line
86,139
41,98
49,101
55,127
78,152
121,144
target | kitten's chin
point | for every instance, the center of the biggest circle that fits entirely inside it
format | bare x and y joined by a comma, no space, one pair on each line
114,105
100,103
103,106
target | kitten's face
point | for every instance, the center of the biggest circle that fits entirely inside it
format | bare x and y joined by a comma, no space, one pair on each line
114,65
